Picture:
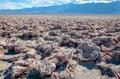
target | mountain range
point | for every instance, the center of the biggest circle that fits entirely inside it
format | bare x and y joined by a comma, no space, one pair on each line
88,8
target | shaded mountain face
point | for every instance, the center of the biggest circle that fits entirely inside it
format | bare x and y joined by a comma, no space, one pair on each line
90,8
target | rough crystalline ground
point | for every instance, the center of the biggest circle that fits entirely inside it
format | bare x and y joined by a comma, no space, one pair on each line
59,47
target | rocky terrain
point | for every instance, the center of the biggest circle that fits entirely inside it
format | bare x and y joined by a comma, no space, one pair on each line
59,47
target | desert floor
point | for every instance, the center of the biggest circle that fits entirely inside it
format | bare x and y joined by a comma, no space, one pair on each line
59,46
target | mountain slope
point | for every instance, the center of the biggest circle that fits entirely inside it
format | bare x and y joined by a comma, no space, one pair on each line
90,8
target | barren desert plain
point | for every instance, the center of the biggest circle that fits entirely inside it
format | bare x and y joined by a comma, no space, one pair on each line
59,46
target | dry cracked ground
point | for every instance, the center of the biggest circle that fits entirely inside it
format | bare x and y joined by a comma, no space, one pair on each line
59,47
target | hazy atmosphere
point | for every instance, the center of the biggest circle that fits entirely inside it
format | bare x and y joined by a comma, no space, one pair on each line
18,4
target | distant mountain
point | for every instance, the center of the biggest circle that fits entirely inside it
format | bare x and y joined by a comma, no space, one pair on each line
89,8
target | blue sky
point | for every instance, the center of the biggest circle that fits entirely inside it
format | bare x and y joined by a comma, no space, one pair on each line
18,4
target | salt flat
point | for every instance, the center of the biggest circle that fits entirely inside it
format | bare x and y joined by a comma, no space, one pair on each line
59,46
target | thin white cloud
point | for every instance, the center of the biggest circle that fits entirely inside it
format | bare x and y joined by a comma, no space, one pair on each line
8,5
14,5
56,2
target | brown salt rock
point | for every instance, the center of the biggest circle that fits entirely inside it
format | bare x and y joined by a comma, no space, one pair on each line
105,43
22,63
2,42
56,48
48,68
8,43
66,41
88,52
44,68
69,70
45,49
51,38
64,56
65,75
20,69
117,47
27,34
31,53
106,49
117,72
113,29
53,33
2,50
114,57
20,48
48,65
5,34
13,58
19,72
32,62
55,75
106,69
58,26
64,29
16,45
